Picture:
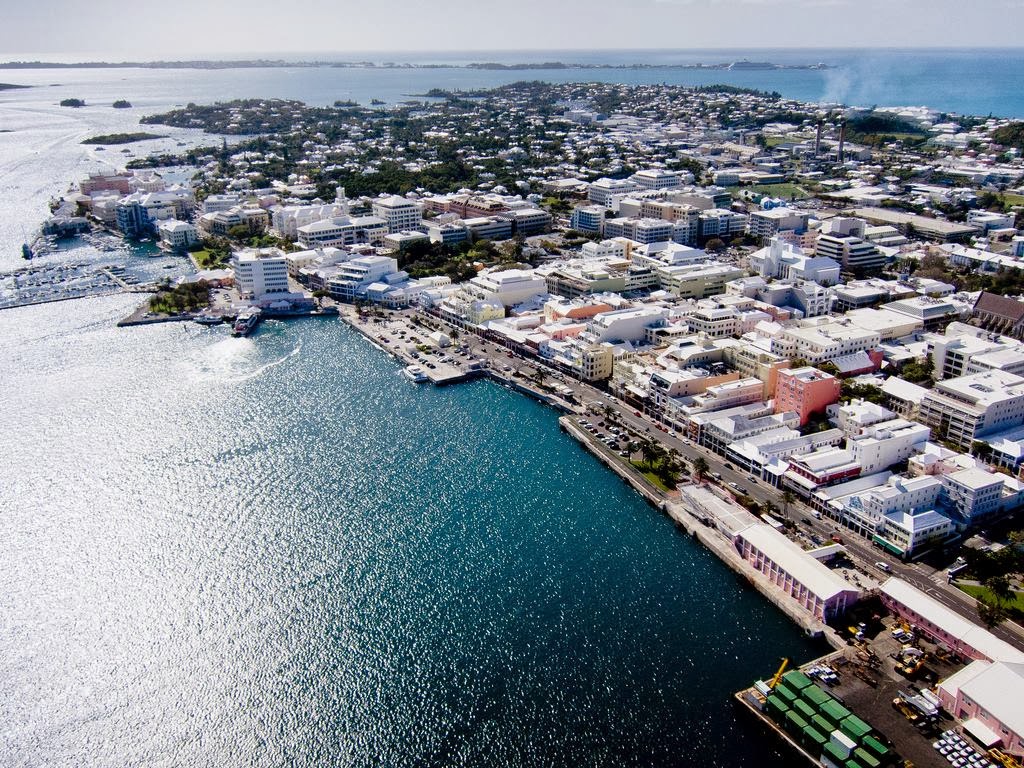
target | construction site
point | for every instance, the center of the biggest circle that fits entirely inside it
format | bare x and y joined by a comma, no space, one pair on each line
877,703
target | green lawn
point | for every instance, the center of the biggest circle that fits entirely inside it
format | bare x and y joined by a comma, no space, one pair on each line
978,591
1009,198
205,260
652,478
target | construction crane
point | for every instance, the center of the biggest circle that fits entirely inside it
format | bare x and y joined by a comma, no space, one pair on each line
778,674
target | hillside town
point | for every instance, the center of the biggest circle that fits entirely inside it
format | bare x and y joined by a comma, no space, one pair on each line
827,304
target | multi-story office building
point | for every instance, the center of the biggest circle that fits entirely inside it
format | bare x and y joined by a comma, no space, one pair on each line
398,213
962,409
259,272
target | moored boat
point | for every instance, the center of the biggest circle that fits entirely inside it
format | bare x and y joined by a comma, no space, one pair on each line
246,321
414,374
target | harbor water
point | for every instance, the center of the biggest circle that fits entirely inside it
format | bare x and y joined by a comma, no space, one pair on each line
278,551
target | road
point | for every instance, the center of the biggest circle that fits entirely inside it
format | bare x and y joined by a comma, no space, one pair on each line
863,553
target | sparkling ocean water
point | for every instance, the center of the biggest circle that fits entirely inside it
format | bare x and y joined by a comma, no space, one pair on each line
276,551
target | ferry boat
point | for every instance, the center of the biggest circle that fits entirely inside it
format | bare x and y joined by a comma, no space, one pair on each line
246,322
415,374
209,319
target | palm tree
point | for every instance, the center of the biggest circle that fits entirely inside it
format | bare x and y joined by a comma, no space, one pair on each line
700,467
787,499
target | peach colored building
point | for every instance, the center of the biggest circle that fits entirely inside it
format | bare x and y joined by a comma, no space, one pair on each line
805,391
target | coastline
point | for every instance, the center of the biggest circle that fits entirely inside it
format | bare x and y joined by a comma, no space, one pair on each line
671,504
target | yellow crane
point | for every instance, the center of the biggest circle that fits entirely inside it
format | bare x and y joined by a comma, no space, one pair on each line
778,675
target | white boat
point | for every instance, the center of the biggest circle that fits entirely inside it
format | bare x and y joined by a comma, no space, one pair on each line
246,321
415,374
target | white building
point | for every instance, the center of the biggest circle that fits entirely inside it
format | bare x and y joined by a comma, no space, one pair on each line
177,235
972,494
656,178
821,342
343,230
398,213
766,224
965,408
602,190
287,219
879,446
259,272
786,261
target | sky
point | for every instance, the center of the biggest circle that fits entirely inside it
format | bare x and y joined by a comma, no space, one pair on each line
145,30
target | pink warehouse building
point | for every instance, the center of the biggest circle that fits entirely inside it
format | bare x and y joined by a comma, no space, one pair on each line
814,586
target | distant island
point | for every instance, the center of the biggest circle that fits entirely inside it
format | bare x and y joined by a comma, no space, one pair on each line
121,104
72,103
12,86
487,65
121,138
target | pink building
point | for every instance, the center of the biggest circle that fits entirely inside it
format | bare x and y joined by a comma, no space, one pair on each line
805,391
944,625
986,697
814,586
106,182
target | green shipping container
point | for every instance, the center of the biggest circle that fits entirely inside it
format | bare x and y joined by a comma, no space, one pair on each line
797,680
822,724
835,712
776,709
864,758
852,763
835,754
813,736
816,696
794,723
786,693
875,747
805,709
855,728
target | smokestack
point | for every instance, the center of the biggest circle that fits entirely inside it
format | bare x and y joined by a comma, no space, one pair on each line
817,140
842,140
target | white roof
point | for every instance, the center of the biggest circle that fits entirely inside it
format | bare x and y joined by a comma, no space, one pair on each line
819,579
903,390
951,622
996,688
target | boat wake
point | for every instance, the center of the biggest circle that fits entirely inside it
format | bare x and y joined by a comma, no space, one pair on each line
228,362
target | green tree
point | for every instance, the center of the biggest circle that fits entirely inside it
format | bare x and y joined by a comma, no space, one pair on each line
700,467
788,497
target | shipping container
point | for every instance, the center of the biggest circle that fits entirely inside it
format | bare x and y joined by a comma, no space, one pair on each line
875,747
822,724
855,728
866,759
795,723
835,754
785,692
797,680
804,709
813,736
815,695
835,712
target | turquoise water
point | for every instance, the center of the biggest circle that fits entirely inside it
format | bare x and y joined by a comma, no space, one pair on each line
276,550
